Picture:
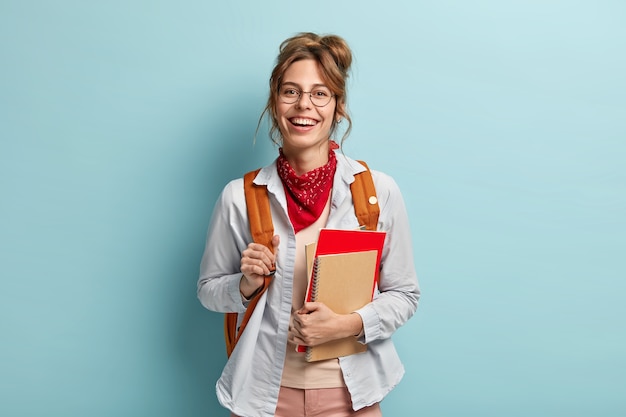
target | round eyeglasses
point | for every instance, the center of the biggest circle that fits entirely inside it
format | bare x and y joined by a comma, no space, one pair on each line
320,96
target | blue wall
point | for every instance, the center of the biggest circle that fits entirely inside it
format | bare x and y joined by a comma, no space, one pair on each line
503,122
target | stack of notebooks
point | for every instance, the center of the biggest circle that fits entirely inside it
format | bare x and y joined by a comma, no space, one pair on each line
343,267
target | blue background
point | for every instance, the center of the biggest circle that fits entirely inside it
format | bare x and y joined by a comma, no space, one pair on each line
502,121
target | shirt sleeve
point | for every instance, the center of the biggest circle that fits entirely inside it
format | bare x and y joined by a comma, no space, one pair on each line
228,235
398,288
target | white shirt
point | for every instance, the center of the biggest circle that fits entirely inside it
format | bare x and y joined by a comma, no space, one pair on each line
250,381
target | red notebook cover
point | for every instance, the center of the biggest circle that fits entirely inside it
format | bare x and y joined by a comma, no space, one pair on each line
331,241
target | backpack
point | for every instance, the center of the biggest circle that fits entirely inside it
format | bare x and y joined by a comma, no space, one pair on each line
262,229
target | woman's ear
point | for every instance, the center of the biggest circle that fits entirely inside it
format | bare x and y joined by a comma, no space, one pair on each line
339,111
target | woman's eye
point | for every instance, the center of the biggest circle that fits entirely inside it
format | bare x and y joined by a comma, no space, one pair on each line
290,92
321,93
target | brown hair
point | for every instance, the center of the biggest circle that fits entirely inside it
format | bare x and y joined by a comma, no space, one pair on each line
334,58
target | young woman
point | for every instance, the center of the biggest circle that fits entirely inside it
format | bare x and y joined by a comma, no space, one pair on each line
309,188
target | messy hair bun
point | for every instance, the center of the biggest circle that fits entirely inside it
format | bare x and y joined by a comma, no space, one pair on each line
334,57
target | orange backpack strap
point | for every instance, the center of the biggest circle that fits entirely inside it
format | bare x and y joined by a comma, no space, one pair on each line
262,230
259,214
364,197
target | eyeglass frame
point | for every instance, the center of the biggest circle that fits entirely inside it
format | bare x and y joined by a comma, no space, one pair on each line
310,93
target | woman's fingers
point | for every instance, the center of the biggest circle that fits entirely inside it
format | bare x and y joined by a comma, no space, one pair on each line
257,259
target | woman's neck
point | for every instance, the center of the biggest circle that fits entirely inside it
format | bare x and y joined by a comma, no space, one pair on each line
306,160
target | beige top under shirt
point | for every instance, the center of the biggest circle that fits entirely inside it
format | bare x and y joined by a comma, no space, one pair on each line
298,373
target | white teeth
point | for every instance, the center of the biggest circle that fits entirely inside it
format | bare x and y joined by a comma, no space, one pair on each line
300,121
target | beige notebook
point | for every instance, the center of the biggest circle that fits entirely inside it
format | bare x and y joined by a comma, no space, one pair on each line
345,283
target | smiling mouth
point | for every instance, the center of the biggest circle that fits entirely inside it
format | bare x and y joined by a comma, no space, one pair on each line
299,121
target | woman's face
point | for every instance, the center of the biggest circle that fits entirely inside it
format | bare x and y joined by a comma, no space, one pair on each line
304,125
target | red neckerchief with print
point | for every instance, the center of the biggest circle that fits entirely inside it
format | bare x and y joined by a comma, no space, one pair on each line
306,194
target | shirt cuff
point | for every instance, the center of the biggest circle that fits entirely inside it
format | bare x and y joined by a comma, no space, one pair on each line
371,324
235,294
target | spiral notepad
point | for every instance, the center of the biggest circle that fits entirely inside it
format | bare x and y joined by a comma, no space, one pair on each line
344,282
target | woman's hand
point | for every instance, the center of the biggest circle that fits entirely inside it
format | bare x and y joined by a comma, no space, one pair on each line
315,324
257,261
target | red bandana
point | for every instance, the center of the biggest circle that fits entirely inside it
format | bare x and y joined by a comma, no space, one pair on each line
306,195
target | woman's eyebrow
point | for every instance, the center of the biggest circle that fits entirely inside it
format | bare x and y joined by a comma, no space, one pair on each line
300,87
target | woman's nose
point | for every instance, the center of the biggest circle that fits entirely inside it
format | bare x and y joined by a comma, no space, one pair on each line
304,101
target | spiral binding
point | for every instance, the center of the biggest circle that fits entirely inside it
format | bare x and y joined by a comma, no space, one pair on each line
314,288
315,284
